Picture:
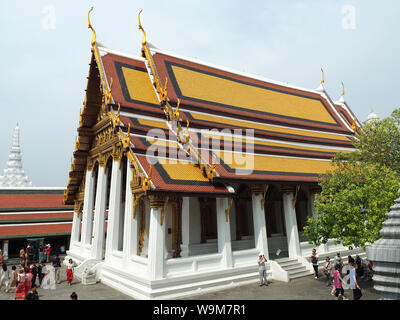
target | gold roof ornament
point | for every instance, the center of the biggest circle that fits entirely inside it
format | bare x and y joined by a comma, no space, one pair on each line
170,114
93,41
343,89
144,41
323,76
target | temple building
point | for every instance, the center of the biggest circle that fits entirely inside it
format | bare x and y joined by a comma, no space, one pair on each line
29,214
183,172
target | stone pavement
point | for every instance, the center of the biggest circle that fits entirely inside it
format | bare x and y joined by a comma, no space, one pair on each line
306,288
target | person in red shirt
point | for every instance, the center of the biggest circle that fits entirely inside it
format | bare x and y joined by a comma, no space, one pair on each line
48,252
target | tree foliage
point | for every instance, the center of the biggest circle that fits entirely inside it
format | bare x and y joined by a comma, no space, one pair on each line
360,188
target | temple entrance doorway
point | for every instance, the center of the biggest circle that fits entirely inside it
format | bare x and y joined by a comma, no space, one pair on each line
275,223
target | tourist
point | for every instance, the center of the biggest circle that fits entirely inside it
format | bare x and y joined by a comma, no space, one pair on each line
22,257
33,295
70,271
14,279
34,270
48,253
1,257
350,260
57,266
73,296
354,282
29,252
28,280
338,261
337,282
360,269
328,271
41,254
41,272
5,277
370,272
314,261
20,291
49,280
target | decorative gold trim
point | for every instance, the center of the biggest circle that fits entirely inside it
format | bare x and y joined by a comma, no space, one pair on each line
78,207
295,197
136,199
262,202
342,89
227,210
163,209
256,189
142,226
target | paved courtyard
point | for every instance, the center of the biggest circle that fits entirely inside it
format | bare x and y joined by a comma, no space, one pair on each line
306,288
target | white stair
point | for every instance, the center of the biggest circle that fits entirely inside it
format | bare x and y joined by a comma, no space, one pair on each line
86,271
293,267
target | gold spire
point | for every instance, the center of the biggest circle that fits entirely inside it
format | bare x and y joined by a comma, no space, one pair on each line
343,89
90,27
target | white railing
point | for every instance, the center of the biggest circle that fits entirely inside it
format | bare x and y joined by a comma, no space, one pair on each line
192,264
245,257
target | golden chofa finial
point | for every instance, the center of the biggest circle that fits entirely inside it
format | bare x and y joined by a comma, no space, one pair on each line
141,28
323,76
90,27
343,89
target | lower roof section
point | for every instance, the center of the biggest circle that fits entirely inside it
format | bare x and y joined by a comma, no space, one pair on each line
253,168
35,230
169,175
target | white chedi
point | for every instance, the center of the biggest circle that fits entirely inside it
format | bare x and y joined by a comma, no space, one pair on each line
14,175
372,116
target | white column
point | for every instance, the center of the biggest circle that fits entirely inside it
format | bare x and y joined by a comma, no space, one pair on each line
99,215
260,226
87,216
292,232
185,227
156,248
131,224
114,209
76,228
224,233
5,250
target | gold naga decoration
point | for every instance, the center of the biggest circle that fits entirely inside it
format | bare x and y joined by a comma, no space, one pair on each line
173,115
124,140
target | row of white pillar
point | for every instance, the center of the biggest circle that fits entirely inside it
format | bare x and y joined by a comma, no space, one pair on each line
156,241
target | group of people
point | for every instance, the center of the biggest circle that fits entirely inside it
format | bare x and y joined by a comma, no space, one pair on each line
26,255
333,273
24,279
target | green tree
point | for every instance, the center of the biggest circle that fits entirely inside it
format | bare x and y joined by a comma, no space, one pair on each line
360,188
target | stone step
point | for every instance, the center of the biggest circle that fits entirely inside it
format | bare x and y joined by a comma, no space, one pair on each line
299,274
294,267
298,269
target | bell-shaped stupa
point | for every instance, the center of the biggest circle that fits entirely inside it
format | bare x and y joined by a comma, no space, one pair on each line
13,175
385,254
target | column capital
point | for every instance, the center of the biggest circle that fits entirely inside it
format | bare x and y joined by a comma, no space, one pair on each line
78,207
257,189
288,188
156,201
315,189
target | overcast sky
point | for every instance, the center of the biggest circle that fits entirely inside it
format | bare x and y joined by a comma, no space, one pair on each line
45,52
